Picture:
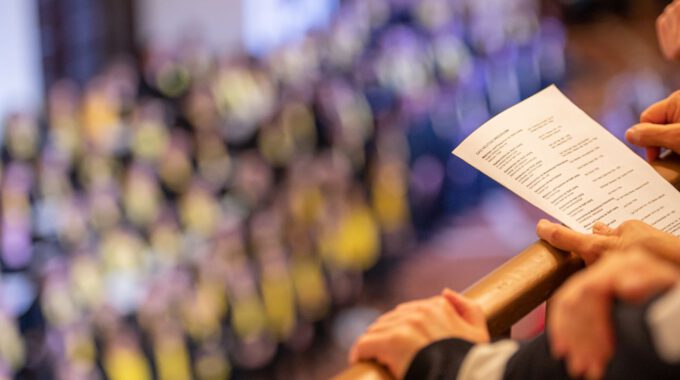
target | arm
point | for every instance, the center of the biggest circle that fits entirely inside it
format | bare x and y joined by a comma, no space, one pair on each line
637,355
579,326
394,338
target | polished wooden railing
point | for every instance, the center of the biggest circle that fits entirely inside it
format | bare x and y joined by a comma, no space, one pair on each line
519,285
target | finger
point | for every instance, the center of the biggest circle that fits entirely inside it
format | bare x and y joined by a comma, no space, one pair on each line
390,349
466,308
357,352
601,228
560,236
662,33
671,34
418,327
579,318
405,309
561,308
652,153
397,315
417,322
387,316
598,343
589,247
368,346
418,316
595,371
650,135
387,323
673,10
558,347
352,356
414,304
666,27
590,340
656,113
575,366
376,348
586,330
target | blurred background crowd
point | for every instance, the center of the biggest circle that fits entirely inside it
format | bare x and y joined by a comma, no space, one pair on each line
237,195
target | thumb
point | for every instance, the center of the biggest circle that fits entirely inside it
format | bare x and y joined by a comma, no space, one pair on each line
649,135
656,113
466,308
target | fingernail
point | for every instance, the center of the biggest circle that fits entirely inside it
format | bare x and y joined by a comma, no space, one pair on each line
600,227
633,136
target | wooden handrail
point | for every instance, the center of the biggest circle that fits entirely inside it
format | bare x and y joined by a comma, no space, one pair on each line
519,285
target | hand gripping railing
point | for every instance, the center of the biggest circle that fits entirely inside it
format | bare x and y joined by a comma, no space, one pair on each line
519,285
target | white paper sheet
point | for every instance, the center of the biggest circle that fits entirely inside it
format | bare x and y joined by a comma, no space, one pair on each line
549,152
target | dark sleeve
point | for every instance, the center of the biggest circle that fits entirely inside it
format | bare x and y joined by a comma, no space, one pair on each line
439,360
635,356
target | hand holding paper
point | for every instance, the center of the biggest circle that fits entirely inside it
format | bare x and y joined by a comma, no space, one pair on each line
659,127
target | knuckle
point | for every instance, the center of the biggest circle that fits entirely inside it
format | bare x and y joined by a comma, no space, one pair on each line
415,320
566,301
360,344
636,258
443,304
595,246
592,250
400,336
422,311
555,235
566,305
627,224
634,262
394,339
589,289
402,306
476,308
576,290
631,225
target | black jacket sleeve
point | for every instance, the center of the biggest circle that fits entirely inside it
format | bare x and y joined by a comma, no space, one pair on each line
439,360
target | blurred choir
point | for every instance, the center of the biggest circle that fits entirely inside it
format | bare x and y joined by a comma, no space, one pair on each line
188,216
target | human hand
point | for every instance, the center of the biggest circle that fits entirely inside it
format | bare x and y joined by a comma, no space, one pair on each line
579,319
659,126
394,339
668,31
590,247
